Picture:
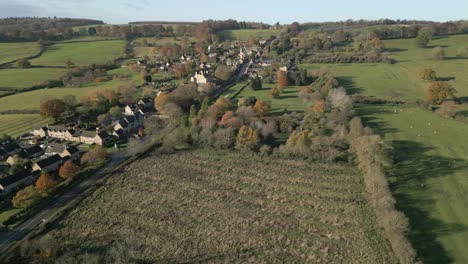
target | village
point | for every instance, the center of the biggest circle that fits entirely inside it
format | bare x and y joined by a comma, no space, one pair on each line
48,148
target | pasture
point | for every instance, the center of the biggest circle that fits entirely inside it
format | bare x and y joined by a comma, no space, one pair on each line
288,101
32,99
17,124
18,50
18,79
245,34
200,206
431,152
81,53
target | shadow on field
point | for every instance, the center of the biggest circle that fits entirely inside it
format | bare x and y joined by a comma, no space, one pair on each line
395,50
348,83
366,112
463,113
412,169
445,79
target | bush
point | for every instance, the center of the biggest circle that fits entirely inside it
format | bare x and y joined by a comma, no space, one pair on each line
26,197
372,157
427,74
256,83
23,63
438,53
247,139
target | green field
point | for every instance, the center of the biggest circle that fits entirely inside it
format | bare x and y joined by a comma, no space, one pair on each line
81,53
13,51
17,79
245,34
431,153
31,100
17,124
224,207
288,101
141,51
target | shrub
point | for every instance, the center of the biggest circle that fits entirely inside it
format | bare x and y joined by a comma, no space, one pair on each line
448,109
247,139
23,63
256,83
68,170
45,183
438,53
427,74
261,108
26,197
224,138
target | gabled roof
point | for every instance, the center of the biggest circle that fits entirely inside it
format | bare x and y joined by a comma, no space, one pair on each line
120,133
3,153
147,101
34,150
49,161
22,154
123,123
72,149
10,147
103,134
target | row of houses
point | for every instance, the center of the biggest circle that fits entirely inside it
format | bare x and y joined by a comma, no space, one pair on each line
74,135
46,158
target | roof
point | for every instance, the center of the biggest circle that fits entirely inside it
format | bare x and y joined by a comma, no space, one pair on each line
123,123
130,119
72,149
49,161
11,147
103,134
147,100
22,154
120,133
10,179
33,150
55,148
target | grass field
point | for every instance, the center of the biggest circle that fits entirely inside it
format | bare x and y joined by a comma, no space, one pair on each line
31,100
245,34
226,207
81,53
141,51
288,101
431,153
15,125
17,79
13,51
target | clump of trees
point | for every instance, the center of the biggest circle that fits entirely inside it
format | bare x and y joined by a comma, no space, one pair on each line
98,153
438,53
45,183
68,170
26,197
423,37
438,91
23,63
427,74
372,157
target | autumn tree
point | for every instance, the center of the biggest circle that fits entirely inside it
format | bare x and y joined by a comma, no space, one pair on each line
427,74
45,183
161,100
223,72
274,92
438,91
438,53
68,170
283,80
319,107
247,139
52,108
423,37
69,63
261,108
23,63
448,109
26,197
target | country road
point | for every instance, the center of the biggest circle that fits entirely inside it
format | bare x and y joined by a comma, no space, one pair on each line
8,237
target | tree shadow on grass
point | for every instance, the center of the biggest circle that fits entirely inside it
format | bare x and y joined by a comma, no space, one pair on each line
445,79
395,50
412,169
348,83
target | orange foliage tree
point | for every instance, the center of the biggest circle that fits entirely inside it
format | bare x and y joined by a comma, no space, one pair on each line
283,80
52,108
160,101
319,107
68,170
261,107
438,91
45,183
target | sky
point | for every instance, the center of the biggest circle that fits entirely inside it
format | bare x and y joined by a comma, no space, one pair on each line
267,11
